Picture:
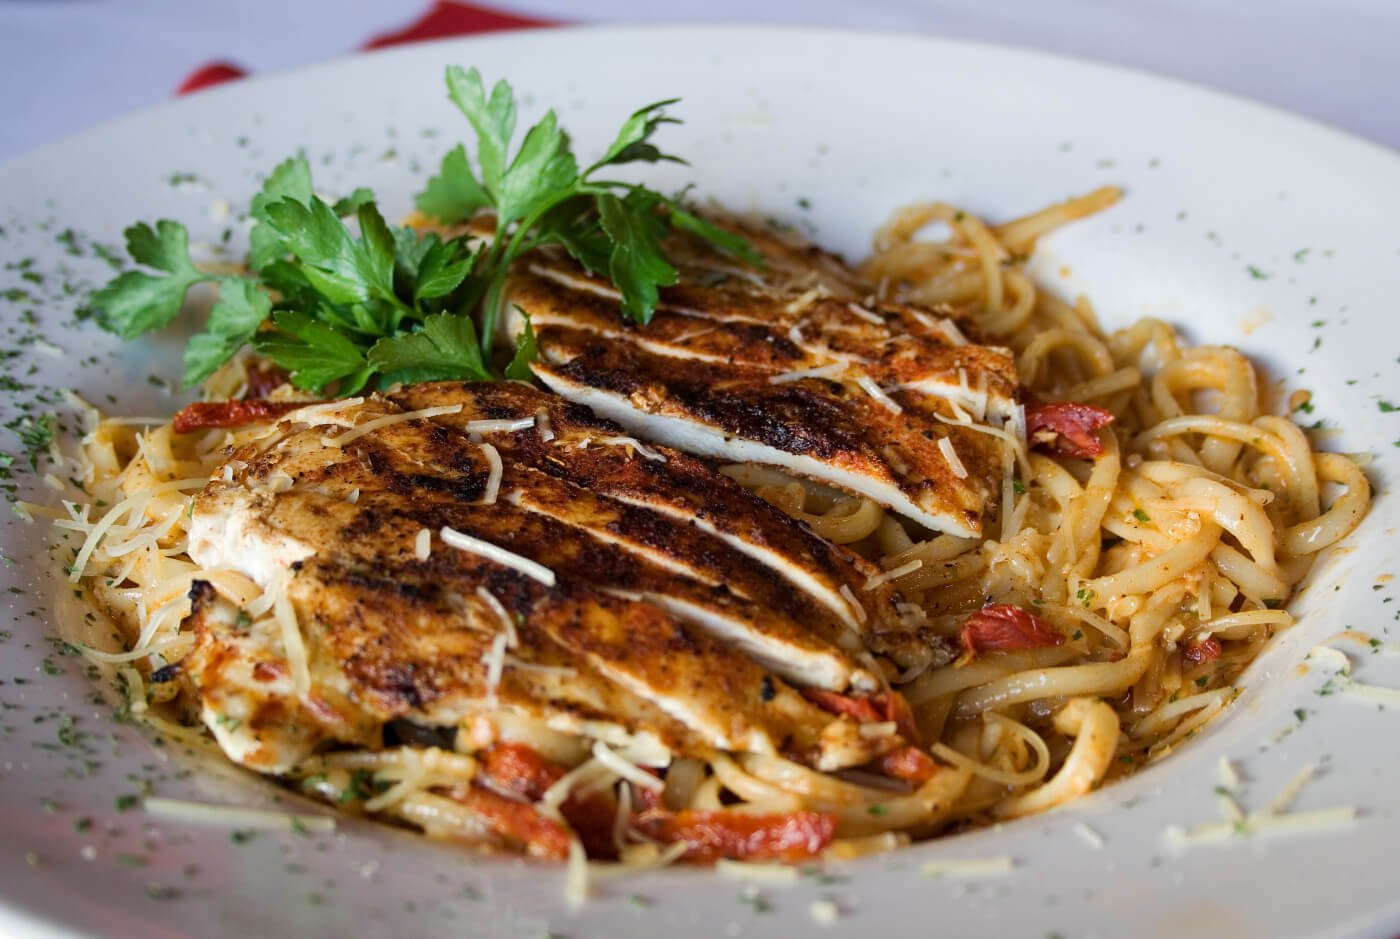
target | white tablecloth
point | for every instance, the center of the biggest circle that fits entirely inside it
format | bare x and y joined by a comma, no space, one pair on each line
68,65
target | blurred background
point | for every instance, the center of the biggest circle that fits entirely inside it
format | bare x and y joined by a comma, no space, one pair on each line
69,64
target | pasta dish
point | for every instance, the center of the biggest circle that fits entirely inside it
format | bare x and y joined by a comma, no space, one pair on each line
811,561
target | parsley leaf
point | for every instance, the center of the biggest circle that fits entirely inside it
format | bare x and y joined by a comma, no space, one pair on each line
633,139
137,302
526,351
726,240
454,192
542,172
291,179
492,118
637,265
233,321
340,268
315,354
540,197
445,348
440,269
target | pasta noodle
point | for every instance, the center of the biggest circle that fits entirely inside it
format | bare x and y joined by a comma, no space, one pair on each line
1164,562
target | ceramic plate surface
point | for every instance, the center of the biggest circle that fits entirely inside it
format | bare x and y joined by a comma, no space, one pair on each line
1243,225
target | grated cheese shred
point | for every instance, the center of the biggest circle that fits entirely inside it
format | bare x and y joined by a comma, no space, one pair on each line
831,370
462,542
378,423
493,477
501,426
855,604
635,444
955,463
893,573
868,385
235,816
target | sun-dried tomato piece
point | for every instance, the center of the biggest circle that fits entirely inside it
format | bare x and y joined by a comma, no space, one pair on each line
740,836
264,378
514,767
872,709
1067,427
517,821
909,763
203,415
519,769
1199,652
1002,627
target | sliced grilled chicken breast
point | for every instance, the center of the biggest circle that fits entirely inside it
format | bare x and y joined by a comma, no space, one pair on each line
788,367
436,565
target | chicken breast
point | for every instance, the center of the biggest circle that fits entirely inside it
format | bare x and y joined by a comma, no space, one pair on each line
454,549
788,367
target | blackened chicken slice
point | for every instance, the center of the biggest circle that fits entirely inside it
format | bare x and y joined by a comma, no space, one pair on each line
415,594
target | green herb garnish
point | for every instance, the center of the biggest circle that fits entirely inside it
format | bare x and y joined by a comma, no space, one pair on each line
343,306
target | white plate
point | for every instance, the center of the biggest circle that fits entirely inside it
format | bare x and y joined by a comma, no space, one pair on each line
1236,216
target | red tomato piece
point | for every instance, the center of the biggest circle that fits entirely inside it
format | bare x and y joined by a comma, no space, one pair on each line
1002,627
1067,428
740,836
873,709
264,378
909,763
1199,652
203,415
518,821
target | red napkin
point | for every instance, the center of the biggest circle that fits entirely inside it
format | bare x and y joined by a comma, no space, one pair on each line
443,18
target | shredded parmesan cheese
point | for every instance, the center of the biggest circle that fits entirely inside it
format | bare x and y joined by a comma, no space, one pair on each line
1089,836
292,641
1313,822
1334,657
868,385
893,573
543,426
694,334
1229,776
865,314
325,413
942,325
235,816
1290,792
369,427
850,598
455,539
806,299
945,446
824,912
495,661
493,478
635,444
1349,687
833,370
135,689
503,426
1376,693
127,505
507,624
423,544
628,771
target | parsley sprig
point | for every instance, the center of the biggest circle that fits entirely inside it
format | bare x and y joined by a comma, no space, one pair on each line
341,306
